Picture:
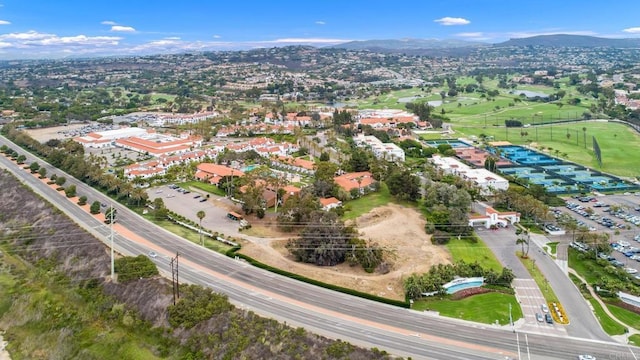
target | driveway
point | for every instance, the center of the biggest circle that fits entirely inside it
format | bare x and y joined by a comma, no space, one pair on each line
582,321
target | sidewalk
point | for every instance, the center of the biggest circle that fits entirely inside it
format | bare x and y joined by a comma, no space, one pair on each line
619,338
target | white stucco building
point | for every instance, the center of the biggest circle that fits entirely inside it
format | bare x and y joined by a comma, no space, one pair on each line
388,151
485,179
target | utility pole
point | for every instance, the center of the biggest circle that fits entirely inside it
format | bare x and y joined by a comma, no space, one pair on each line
175,282
511,318
113,270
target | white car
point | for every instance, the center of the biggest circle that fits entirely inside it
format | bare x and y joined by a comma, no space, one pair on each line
153,254
631,270
586,357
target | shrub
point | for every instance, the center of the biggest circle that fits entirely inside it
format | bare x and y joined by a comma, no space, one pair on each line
131,268
196,304
469,292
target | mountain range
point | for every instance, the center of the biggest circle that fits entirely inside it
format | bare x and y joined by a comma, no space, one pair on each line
451,45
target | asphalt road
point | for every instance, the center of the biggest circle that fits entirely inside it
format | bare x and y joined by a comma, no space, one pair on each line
336,315
583,323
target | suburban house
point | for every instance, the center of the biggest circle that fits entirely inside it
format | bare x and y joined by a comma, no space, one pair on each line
213,173
330,203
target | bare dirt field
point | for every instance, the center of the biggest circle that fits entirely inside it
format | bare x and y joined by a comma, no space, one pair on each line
392,226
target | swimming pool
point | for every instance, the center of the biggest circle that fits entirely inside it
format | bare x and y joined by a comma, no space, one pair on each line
463,283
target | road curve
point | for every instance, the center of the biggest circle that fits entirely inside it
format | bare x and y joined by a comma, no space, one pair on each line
363,322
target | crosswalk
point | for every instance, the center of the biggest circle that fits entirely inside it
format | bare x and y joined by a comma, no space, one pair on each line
531,299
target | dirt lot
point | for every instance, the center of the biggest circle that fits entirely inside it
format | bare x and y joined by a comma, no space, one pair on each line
391,226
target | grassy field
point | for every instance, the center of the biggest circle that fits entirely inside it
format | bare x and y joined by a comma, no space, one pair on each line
609,326
483,308
209,188
463,250
634,340
188,234
364,204
628,317
616,141
472,114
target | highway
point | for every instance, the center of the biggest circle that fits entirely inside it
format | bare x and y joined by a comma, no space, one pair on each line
362,322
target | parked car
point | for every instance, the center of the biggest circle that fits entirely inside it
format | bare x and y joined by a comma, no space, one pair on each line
631,270
548,318
616,263
539,317
545,308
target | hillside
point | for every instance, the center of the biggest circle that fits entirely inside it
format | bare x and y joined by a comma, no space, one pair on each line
564,40
56,302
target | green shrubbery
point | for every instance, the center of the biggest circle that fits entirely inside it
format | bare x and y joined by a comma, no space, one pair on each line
196,304
131,268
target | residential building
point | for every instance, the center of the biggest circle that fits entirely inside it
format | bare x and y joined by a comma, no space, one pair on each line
486,180
213,173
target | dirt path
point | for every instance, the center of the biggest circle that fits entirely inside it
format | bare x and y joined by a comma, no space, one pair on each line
393,227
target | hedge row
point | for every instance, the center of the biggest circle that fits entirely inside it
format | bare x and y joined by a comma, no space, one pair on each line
233,253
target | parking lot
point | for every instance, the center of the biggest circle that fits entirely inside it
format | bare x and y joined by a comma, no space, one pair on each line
188,203
616,215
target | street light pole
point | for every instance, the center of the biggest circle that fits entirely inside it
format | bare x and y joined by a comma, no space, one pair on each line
511,319
113,272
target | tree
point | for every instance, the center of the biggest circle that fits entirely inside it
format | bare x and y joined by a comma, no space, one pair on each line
60,180
201,214
95,207
522,241
34,167
323,241
70,191
404,185
82,200
21,159
43,172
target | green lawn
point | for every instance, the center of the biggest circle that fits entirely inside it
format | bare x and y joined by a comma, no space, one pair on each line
634,340
628,317
542,282
209,188
554,247
483,308
188,234
463,250
364,204
610,326
616,141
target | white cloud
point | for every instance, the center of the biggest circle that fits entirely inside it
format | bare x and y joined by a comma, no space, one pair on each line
448,21
217,36
5,22
320,22
4,44
34,38
172,38
120,28
633,30
108,22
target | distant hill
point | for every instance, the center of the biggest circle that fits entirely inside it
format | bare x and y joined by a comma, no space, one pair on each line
406,44
564,40
429,47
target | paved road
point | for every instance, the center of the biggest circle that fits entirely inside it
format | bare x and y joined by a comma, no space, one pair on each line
362,322
583,323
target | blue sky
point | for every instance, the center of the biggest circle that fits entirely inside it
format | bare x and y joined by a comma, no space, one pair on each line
63,28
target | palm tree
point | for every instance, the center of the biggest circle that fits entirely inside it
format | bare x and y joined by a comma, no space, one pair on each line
201,214
522,241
